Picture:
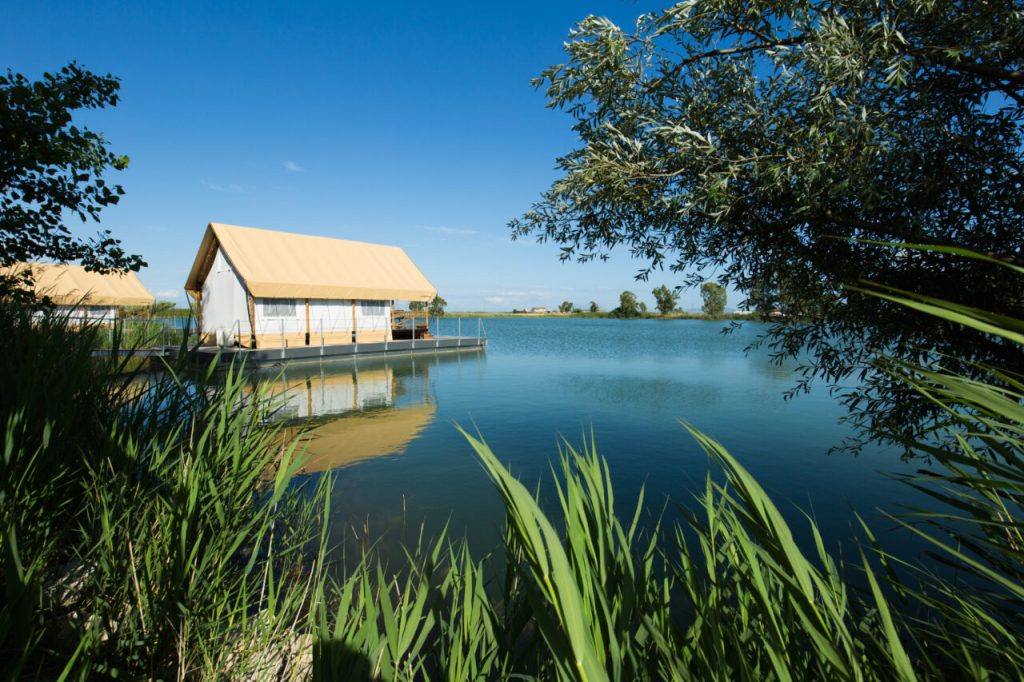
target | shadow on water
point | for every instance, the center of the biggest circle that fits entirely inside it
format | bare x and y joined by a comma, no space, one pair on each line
334,660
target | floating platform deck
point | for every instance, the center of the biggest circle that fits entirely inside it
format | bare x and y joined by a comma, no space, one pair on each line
313,353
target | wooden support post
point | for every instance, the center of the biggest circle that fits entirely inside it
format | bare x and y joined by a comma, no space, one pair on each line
353,320
199,315
252,322
391,331
426,314
307,321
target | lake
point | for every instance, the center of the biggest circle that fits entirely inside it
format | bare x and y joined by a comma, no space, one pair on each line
386,427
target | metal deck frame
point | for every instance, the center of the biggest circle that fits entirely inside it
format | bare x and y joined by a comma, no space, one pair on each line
273,356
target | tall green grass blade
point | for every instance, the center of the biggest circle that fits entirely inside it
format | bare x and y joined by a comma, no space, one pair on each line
572,643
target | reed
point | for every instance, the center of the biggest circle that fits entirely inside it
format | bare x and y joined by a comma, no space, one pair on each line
973,610
142,537
728,594
152,529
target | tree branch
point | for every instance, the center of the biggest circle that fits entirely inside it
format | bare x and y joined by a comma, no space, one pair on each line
991,73
739,49
743,49
1007,81
912,237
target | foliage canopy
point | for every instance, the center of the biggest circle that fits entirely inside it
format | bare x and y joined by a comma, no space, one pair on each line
713,296
437,306
51,169
773,140
629,306
666,299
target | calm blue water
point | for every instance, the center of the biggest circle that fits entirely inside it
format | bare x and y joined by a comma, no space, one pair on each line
544,379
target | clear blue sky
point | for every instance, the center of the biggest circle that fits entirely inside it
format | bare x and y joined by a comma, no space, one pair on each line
400,123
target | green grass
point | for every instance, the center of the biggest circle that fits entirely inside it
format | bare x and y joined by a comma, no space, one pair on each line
149,530
729,595
132,333
158,309
152,530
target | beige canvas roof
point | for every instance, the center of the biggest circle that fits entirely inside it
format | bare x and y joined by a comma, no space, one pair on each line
73,284
285,265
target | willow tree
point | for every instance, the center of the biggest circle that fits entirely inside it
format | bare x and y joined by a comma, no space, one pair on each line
772,141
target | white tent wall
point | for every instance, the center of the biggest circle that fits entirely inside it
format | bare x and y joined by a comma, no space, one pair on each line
274,315
331,316
92,313
374,317
333,319
224,302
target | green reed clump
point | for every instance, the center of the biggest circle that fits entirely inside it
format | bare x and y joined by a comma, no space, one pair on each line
142,332
730,597
729,594
971,622
749,604
148,527
149,531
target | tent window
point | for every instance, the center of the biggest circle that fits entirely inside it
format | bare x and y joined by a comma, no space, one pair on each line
373,308
279,307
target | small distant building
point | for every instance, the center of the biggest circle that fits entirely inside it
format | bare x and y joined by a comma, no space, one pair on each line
261,288
538,309
82,294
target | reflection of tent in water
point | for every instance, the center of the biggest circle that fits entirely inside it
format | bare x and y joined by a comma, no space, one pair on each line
333,393
377,422
353,412
350,439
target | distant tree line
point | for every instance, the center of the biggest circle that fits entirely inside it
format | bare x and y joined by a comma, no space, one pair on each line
666,299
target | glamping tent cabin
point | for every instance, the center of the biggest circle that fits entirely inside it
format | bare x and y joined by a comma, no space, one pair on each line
82,294
261,288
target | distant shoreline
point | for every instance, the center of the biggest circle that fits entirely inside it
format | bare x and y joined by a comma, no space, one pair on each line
607,315
679,315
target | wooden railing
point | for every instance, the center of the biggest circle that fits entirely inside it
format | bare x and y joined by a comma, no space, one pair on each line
410,324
